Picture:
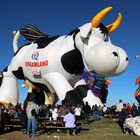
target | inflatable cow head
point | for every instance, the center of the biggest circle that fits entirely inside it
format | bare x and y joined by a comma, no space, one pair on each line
99,54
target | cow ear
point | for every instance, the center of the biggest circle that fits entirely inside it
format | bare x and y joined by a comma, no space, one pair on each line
85,29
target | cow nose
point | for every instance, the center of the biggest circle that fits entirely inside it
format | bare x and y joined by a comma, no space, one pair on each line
115,54
126,58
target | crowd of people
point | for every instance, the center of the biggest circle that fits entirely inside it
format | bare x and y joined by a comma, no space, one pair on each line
126,111
30,113
121,111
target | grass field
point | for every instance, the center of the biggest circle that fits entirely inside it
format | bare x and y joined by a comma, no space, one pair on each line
106,129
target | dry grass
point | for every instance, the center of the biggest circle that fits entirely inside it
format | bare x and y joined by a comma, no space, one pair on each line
106,129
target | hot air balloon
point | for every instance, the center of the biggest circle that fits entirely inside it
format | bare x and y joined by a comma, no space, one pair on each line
137,92
98,84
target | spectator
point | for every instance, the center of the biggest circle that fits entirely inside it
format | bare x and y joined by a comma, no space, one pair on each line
54,112
5,116
77,112
15,113
129,109
139,110
63,110
23,118
113,111
1,107
95,111
123,115
46,111
32,111
134,110
100,110
119,106
104,110
87,112
69,120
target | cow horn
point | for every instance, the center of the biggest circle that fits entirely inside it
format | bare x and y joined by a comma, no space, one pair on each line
115,24
97,19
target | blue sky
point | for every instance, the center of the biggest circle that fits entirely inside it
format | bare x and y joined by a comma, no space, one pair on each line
58,17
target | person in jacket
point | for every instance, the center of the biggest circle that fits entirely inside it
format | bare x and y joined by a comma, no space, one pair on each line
32,111
69,120
123,115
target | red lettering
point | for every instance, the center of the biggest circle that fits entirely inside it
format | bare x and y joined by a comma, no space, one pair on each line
36,64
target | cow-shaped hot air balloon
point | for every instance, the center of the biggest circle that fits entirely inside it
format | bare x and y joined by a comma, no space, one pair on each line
58,62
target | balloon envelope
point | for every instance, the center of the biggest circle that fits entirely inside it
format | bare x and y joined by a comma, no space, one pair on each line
137,95
137,80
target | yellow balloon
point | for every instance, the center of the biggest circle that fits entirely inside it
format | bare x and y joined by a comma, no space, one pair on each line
14,32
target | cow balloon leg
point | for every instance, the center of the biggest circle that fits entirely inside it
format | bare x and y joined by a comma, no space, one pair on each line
87,95
8,90
63,89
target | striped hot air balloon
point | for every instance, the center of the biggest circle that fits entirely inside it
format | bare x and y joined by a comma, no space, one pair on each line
137,92
98,84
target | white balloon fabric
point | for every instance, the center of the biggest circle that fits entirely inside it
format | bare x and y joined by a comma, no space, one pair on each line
6,89
132,124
